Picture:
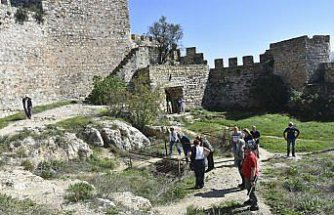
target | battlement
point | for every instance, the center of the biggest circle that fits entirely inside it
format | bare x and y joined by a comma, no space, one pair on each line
301,41
247,61
192,57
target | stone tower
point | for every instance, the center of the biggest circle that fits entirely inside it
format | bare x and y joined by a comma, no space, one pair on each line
58,59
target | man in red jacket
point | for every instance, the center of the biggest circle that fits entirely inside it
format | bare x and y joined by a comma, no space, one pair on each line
250,171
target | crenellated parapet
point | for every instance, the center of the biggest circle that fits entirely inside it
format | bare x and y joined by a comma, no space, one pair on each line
247,61
192,57
142,40
298,60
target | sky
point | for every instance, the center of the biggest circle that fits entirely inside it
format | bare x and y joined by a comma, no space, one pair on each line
236,28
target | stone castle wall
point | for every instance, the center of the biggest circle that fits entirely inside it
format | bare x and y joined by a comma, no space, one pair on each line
298,60
58,59
191,78
230,87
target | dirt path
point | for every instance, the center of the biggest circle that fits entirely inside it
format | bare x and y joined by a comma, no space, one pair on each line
50,117
220,186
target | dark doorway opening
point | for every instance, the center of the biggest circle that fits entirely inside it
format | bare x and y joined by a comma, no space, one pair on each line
173,94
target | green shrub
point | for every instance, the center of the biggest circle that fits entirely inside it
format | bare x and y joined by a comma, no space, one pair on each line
28,165
48,169
111,90
79,192
21,15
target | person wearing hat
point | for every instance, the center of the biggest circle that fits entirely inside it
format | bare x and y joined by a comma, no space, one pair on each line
290,134
250,173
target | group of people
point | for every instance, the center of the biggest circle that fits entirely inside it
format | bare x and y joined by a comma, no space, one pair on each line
245,149
196,153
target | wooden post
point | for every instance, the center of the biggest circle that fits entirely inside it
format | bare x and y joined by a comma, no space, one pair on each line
166,154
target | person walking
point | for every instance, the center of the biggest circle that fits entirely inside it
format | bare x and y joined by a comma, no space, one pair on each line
27,106
290,134
256,135
250,172
173,139
197,155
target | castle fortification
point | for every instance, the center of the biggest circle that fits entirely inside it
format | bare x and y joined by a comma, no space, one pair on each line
58,59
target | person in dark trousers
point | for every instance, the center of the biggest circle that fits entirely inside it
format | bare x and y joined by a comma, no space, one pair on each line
204,142
250,172
238,159
186,145
168,102
197,155
256,135
290,134
27,106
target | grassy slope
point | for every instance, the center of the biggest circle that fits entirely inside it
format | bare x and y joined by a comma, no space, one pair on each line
314,135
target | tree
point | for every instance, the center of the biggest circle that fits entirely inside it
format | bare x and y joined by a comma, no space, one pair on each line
167,35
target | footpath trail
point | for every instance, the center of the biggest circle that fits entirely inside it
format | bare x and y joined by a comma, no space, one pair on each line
220,186
50,117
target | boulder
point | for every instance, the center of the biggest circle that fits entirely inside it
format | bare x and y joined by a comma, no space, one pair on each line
122,135
130,201
92,136
60,147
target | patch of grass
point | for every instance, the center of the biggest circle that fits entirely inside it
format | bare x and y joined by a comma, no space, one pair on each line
75,124
28,165
303,187
101,164
229,207
79,192
11,206
49,169
157,189
271,127
41,108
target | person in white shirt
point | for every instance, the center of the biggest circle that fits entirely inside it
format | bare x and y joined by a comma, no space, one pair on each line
173,139
197,155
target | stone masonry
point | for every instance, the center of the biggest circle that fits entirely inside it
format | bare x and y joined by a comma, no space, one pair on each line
58,59
81,39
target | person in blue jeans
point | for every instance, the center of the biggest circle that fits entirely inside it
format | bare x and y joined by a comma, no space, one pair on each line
290,134
173,140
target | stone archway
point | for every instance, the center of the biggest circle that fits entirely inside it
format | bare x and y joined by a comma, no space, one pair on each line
172,96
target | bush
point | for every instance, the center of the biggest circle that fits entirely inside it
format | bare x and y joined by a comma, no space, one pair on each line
28,165
143,105
48,169
21,15
111,90
80,192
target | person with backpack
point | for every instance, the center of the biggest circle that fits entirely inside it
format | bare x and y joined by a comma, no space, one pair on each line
197,155
290,134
